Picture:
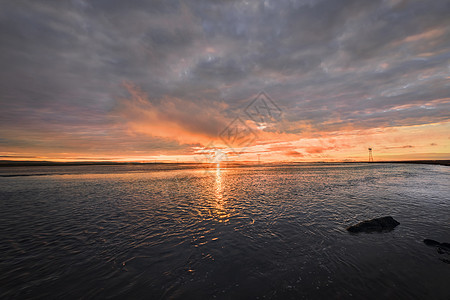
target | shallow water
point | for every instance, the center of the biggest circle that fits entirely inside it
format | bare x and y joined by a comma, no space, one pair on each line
274,231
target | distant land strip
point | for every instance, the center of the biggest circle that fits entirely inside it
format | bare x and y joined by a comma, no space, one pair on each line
11,163
427,162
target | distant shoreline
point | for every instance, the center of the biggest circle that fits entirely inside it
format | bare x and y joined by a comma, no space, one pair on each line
9,163
426,162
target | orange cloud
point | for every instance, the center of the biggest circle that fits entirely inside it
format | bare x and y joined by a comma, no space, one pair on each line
430,34
294,153
173,118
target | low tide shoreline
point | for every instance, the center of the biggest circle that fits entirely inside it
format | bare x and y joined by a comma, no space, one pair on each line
10,163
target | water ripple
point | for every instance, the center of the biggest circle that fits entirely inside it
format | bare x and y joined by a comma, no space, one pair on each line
271,231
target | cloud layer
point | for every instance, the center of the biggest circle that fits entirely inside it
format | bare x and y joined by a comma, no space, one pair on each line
135,78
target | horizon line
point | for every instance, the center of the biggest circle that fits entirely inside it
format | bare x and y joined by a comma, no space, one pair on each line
6,163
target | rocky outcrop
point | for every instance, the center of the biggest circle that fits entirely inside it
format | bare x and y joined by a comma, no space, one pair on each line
433,243
442,248
382,224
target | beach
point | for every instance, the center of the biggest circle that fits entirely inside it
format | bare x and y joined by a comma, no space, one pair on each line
274,231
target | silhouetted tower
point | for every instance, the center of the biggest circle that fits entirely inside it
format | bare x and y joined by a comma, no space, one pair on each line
370,155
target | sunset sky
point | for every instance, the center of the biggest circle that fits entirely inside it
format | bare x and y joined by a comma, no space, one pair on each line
178,80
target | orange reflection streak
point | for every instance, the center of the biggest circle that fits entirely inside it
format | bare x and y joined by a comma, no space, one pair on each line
220,209
218,185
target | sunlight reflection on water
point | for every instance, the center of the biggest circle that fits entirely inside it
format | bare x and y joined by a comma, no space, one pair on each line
220,206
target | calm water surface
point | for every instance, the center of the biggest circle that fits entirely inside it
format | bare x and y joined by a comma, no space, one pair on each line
181,232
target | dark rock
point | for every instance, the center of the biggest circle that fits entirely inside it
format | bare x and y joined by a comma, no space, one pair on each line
447,261
441,247
446,246
375,225
432,243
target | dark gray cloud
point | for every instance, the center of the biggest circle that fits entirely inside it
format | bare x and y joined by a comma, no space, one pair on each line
329,63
